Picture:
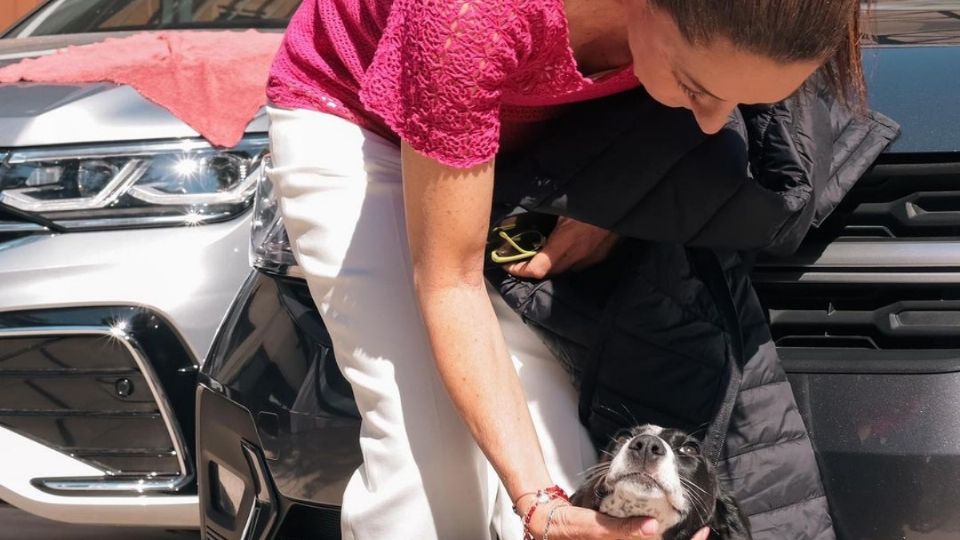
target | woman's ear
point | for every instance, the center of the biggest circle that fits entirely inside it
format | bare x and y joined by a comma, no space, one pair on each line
729,522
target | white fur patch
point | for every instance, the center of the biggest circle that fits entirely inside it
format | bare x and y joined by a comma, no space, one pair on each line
630,496
651,429
630,499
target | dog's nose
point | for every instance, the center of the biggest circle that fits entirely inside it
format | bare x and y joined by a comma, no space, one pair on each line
648,447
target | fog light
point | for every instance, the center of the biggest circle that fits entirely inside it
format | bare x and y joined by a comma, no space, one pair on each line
124,387
226,490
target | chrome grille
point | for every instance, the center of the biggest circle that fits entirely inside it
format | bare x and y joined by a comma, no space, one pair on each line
91,394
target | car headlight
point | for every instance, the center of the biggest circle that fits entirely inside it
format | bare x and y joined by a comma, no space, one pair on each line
132,185
269,246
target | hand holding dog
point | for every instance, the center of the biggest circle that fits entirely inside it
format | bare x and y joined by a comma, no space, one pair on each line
573,245
575,523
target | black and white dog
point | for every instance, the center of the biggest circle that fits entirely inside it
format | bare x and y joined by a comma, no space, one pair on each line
661,473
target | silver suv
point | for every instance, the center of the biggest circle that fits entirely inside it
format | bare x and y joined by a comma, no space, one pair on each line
123,240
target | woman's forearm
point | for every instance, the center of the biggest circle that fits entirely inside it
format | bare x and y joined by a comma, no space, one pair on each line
447,214
477,371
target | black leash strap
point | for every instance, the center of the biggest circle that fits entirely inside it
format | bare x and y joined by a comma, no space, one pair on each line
711,272
591,370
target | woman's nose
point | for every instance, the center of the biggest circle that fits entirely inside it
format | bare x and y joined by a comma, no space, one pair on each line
713,118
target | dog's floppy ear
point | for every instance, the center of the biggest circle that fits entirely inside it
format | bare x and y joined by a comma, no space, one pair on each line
729,522
588,494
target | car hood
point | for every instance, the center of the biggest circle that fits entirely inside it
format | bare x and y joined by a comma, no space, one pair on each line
910,80
44,114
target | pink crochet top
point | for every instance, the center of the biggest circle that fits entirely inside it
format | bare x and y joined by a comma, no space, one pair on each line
442,75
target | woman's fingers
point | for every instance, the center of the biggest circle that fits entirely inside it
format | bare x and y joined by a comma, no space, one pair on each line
538,267
702,534
571,522
571,245
639,528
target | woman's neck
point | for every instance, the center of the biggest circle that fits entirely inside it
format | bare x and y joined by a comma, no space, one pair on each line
598,34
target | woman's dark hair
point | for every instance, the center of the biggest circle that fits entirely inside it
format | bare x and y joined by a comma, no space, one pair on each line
785,31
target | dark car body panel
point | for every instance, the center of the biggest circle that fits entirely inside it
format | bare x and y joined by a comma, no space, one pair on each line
907,83
275,358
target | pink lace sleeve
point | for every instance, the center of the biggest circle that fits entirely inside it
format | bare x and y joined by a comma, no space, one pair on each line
437,75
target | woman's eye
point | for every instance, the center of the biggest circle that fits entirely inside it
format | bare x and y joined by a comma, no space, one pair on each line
690,449
690,92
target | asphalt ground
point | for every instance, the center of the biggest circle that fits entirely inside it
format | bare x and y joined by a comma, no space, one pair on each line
18,525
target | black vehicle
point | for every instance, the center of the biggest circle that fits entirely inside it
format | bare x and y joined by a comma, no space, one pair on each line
866,317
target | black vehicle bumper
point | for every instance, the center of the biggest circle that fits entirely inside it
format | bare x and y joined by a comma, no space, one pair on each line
277,423
238,497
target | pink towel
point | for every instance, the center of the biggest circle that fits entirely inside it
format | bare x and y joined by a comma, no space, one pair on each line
213,81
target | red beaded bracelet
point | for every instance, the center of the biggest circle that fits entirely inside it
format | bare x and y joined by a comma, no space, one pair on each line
543,496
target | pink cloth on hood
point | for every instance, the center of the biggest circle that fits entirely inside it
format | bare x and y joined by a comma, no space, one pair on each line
212,81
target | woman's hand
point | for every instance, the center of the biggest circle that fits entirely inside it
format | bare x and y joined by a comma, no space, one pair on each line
573,245
574,523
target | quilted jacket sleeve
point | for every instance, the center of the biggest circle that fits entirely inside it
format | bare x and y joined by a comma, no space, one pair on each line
758,184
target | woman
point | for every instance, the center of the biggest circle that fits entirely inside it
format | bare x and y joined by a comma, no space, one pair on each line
385,121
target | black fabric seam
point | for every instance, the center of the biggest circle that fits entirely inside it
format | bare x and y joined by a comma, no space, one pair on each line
784,507
584,164
716,212
666,349
682,305
663,178
766,446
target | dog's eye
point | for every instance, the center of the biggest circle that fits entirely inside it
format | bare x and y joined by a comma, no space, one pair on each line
690,448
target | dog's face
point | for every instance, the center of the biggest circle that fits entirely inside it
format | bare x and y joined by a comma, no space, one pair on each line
661,473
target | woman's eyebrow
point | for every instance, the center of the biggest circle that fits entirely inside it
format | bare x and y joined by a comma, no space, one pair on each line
692,83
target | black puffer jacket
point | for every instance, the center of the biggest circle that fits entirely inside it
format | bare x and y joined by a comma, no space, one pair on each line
668,329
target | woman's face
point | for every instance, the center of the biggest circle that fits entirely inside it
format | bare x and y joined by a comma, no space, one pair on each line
708,80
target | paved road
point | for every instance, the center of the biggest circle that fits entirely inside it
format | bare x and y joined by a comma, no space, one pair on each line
18,525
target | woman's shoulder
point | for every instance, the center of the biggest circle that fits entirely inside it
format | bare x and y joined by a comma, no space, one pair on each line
442,66
487,21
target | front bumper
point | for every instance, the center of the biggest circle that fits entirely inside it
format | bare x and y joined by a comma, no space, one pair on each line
101,333
270,388
96,420
239,499
25,460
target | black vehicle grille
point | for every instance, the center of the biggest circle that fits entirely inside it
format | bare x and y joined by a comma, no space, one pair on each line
909,197
110,385
866,318
882,273
85,395
863,316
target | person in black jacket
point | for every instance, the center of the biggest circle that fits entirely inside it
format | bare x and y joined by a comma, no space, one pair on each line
667,329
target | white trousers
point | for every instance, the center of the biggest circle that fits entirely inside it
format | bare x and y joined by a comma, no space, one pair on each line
423,476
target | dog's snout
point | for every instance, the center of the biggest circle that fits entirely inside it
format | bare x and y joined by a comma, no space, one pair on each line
648,447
